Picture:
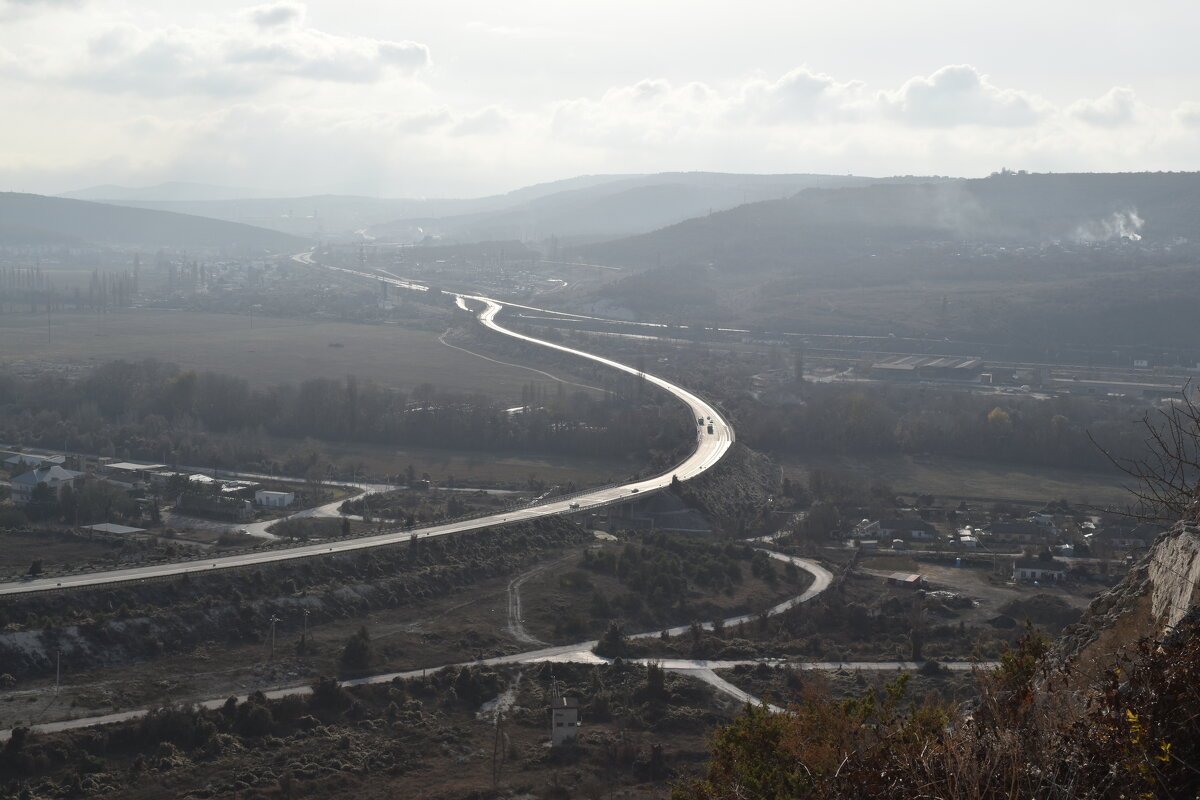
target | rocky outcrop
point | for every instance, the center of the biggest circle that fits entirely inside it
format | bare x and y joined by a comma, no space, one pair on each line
1151,600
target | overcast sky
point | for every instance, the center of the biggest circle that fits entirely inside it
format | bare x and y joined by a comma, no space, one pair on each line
465,98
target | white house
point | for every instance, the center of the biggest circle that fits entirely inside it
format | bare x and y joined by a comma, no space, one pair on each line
54,477
1034,569
274,499
130,474
564,720
906,529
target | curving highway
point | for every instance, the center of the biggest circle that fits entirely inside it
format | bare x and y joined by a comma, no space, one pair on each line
710,447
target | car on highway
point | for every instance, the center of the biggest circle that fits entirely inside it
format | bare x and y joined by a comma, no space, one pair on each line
633,491
574,505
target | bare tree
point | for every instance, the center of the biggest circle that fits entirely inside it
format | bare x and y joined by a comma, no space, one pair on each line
1167,475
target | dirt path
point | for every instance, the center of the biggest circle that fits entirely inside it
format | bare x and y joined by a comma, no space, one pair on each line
442,339
516,623
576,653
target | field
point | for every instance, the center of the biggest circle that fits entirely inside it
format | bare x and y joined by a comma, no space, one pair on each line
974,481
19,549
273,351
472,468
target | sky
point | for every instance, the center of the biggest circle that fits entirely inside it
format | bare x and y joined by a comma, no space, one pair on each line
462,98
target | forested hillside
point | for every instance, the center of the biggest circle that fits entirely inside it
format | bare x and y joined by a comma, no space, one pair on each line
1007,208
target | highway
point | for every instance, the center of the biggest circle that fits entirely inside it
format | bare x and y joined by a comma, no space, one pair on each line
709,450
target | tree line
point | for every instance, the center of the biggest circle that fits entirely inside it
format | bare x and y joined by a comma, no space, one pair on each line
153,410
850,420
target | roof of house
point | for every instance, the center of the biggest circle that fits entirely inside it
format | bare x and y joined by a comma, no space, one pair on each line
47,475
1146,532
131,466
30,458
1036,563
911,363
108,527
905,525
1016,526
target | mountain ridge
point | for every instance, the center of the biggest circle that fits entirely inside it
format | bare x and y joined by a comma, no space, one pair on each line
30,219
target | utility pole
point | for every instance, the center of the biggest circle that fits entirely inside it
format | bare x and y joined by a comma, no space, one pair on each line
303,648
274,619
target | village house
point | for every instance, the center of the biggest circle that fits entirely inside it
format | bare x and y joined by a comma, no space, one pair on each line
1125,538
55,479
274,499
1036,569
17,462
907,580
867,529
1018,532
910,529
129,474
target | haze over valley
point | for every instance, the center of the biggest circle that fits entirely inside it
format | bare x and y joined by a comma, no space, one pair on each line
558,401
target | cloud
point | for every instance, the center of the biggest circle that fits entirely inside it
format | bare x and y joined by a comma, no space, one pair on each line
240,100
799,95
271,42
517,31
960,95
419,122
489,121
1188,114
655,110
17,10
1116,107
277,15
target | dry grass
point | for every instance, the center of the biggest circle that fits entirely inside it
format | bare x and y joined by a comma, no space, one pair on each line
274,351
957,479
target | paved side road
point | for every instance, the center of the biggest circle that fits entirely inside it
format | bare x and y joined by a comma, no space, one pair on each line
581,653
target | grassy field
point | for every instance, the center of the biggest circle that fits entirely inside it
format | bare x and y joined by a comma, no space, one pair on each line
959,479
19,550
477,468
274,351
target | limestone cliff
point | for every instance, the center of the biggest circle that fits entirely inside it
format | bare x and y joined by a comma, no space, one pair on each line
1150,601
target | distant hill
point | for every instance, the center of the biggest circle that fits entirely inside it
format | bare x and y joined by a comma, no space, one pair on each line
582,208
622,205
1012,208
171,191
38,219
324,216
1098,261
